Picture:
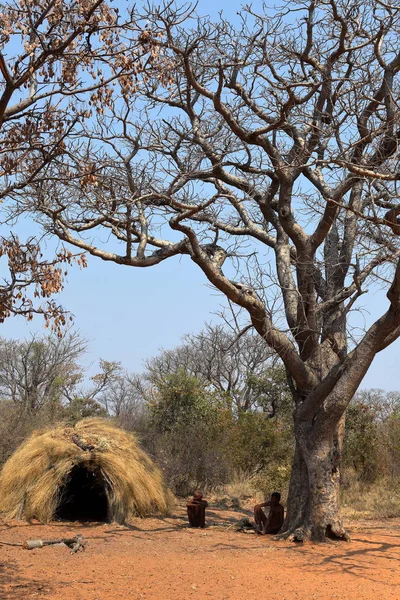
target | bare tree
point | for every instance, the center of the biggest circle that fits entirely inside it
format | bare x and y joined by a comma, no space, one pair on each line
124,399
227,362
383,405
270,159
45,372
38,372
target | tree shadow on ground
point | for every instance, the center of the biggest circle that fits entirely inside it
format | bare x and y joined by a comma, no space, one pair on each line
348,559
178,522
344,557
13,586
216,520
361,562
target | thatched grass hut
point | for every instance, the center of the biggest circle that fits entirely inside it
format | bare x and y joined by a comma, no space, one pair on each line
92,471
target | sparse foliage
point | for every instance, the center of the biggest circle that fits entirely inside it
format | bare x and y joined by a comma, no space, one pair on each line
31,278
60,63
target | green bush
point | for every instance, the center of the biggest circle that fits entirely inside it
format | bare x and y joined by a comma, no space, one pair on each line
361,447
257,442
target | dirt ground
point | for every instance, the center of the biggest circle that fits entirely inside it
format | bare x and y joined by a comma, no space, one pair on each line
165,560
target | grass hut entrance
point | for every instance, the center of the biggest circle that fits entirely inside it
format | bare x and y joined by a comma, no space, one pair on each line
83,497
92,471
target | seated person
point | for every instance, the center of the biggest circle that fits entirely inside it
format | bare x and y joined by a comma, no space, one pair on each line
274,521
196,510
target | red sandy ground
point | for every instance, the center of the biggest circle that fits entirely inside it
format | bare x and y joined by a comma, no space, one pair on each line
165,560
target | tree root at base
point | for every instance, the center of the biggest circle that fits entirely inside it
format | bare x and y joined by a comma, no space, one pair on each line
303,533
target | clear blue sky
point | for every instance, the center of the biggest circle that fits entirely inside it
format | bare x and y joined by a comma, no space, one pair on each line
128,314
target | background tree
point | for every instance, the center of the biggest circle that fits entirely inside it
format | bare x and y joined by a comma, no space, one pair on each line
39,371
269,159
362,444
234,365
199,442
371,445
187,434
186,406
35,376
126,398
43,380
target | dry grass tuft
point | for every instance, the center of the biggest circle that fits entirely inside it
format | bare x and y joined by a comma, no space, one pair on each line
374,501
31,480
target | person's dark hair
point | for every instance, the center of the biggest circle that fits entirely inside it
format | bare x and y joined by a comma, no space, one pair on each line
276,495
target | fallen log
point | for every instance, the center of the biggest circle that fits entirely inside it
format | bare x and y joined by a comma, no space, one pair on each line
76,543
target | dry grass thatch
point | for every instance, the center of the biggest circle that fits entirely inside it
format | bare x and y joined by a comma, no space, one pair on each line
31,480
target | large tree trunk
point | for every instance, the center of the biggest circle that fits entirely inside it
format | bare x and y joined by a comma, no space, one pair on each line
298,505
313,510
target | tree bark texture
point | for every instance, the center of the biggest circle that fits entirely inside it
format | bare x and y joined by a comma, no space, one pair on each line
313,509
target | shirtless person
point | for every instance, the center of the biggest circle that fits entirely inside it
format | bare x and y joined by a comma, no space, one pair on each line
196,510
274,521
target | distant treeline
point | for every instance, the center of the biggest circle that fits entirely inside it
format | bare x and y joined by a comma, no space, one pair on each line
214,410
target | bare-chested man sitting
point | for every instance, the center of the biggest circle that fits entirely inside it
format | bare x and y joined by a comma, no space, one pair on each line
274,521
